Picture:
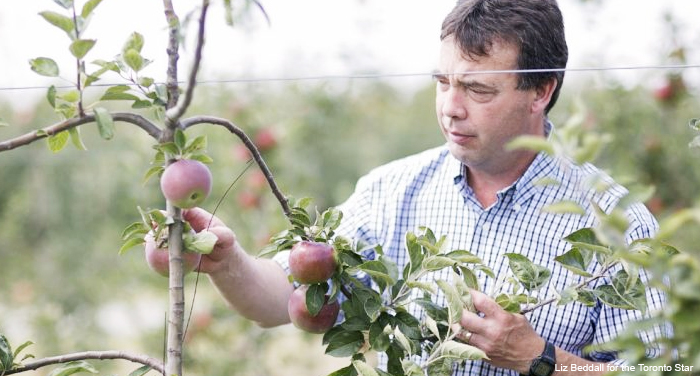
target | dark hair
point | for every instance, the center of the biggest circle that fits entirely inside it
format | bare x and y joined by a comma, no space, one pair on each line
535,27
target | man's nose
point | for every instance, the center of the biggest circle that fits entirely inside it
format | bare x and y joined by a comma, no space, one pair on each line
453,103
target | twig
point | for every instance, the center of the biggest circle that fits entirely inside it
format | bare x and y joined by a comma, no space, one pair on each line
186,123
126,117
577,286
174,114
101,355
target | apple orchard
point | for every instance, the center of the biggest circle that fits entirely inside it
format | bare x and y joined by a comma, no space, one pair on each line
353,322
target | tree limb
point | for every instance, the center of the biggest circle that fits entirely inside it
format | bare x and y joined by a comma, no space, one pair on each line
174,114
173,53
138,120
101,355
186,123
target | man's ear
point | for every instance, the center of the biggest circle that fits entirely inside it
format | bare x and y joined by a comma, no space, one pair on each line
543,95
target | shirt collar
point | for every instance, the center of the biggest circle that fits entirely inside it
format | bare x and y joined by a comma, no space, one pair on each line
541,167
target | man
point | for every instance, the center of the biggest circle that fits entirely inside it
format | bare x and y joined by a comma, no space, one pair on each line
483,197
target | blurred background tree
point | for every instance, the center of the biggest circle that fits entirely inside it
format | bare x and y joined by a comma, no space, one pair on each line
63,285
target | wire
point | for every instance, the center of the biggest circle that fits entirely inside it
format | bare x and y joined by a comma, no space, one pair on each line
385,75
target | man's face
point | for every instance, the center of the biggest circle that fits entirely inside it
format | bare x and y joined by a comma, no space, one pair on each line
480,113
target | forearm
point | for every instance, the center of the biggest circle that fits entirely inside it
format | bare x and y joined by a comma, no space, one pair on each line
256,288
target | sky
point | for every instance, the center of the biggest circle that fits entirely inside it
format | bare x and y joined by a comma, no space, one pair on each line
318,38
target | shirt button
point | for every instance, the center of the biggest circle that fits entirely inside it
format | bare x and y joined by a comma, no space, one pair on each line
517,207
486,227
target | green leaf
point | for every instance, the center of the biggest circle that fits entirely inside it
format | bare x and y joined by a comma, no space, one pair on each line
576,261
378,272
379,337
105,123
133,59
364,369
89,7
587,240
202,242
202,158
71,368
415,254
345,371
155,170
141,370
462,351
60,21
76,139
180,139
509,303
564,207
134,42
133,242
345,343
408,324
44,66
51,96
58,141
118,92
530,275
331,218
133,229
70,96
79,48
411,368
464,257
6,356
535,143
316,297
454,301
197,145
623,294
433,263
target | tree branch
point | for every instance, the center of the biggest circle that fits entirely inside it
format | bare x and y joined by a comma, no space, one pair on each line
173,54
126,117
186,123
101,355
174,114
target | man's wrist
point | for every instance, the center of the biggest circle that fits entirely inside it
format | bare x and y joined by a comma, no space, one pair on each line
545,363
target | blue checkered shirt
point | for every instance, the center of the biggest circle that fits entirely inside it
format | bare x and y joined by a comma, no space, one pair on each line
430,189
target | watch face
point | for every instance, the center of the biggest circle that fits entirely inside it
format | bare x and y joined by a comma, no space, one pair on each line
541,368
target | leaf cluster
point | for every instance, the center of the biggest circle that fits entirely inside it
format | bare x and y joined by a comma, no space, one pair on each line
142,91
8,357
155,222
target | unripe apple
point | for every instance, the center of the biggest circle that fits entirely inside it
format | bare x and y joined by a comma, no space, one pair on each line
186,183
301,317
158,259
312,262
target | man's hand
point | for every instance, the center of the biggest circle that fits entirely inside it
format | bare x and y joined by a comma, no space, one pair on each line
507,338
201,220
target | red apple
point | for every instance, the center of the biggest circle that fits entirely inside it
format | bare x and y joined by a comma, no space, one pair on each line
301,317
265,139
158,259
312,262
186,183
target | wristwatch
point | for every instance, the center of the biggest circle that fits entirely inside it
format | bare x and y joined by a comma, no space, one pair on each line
544,364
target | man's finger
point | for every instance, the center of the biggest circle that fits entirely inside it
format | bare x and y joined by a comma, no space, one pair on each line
484,304
200,219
